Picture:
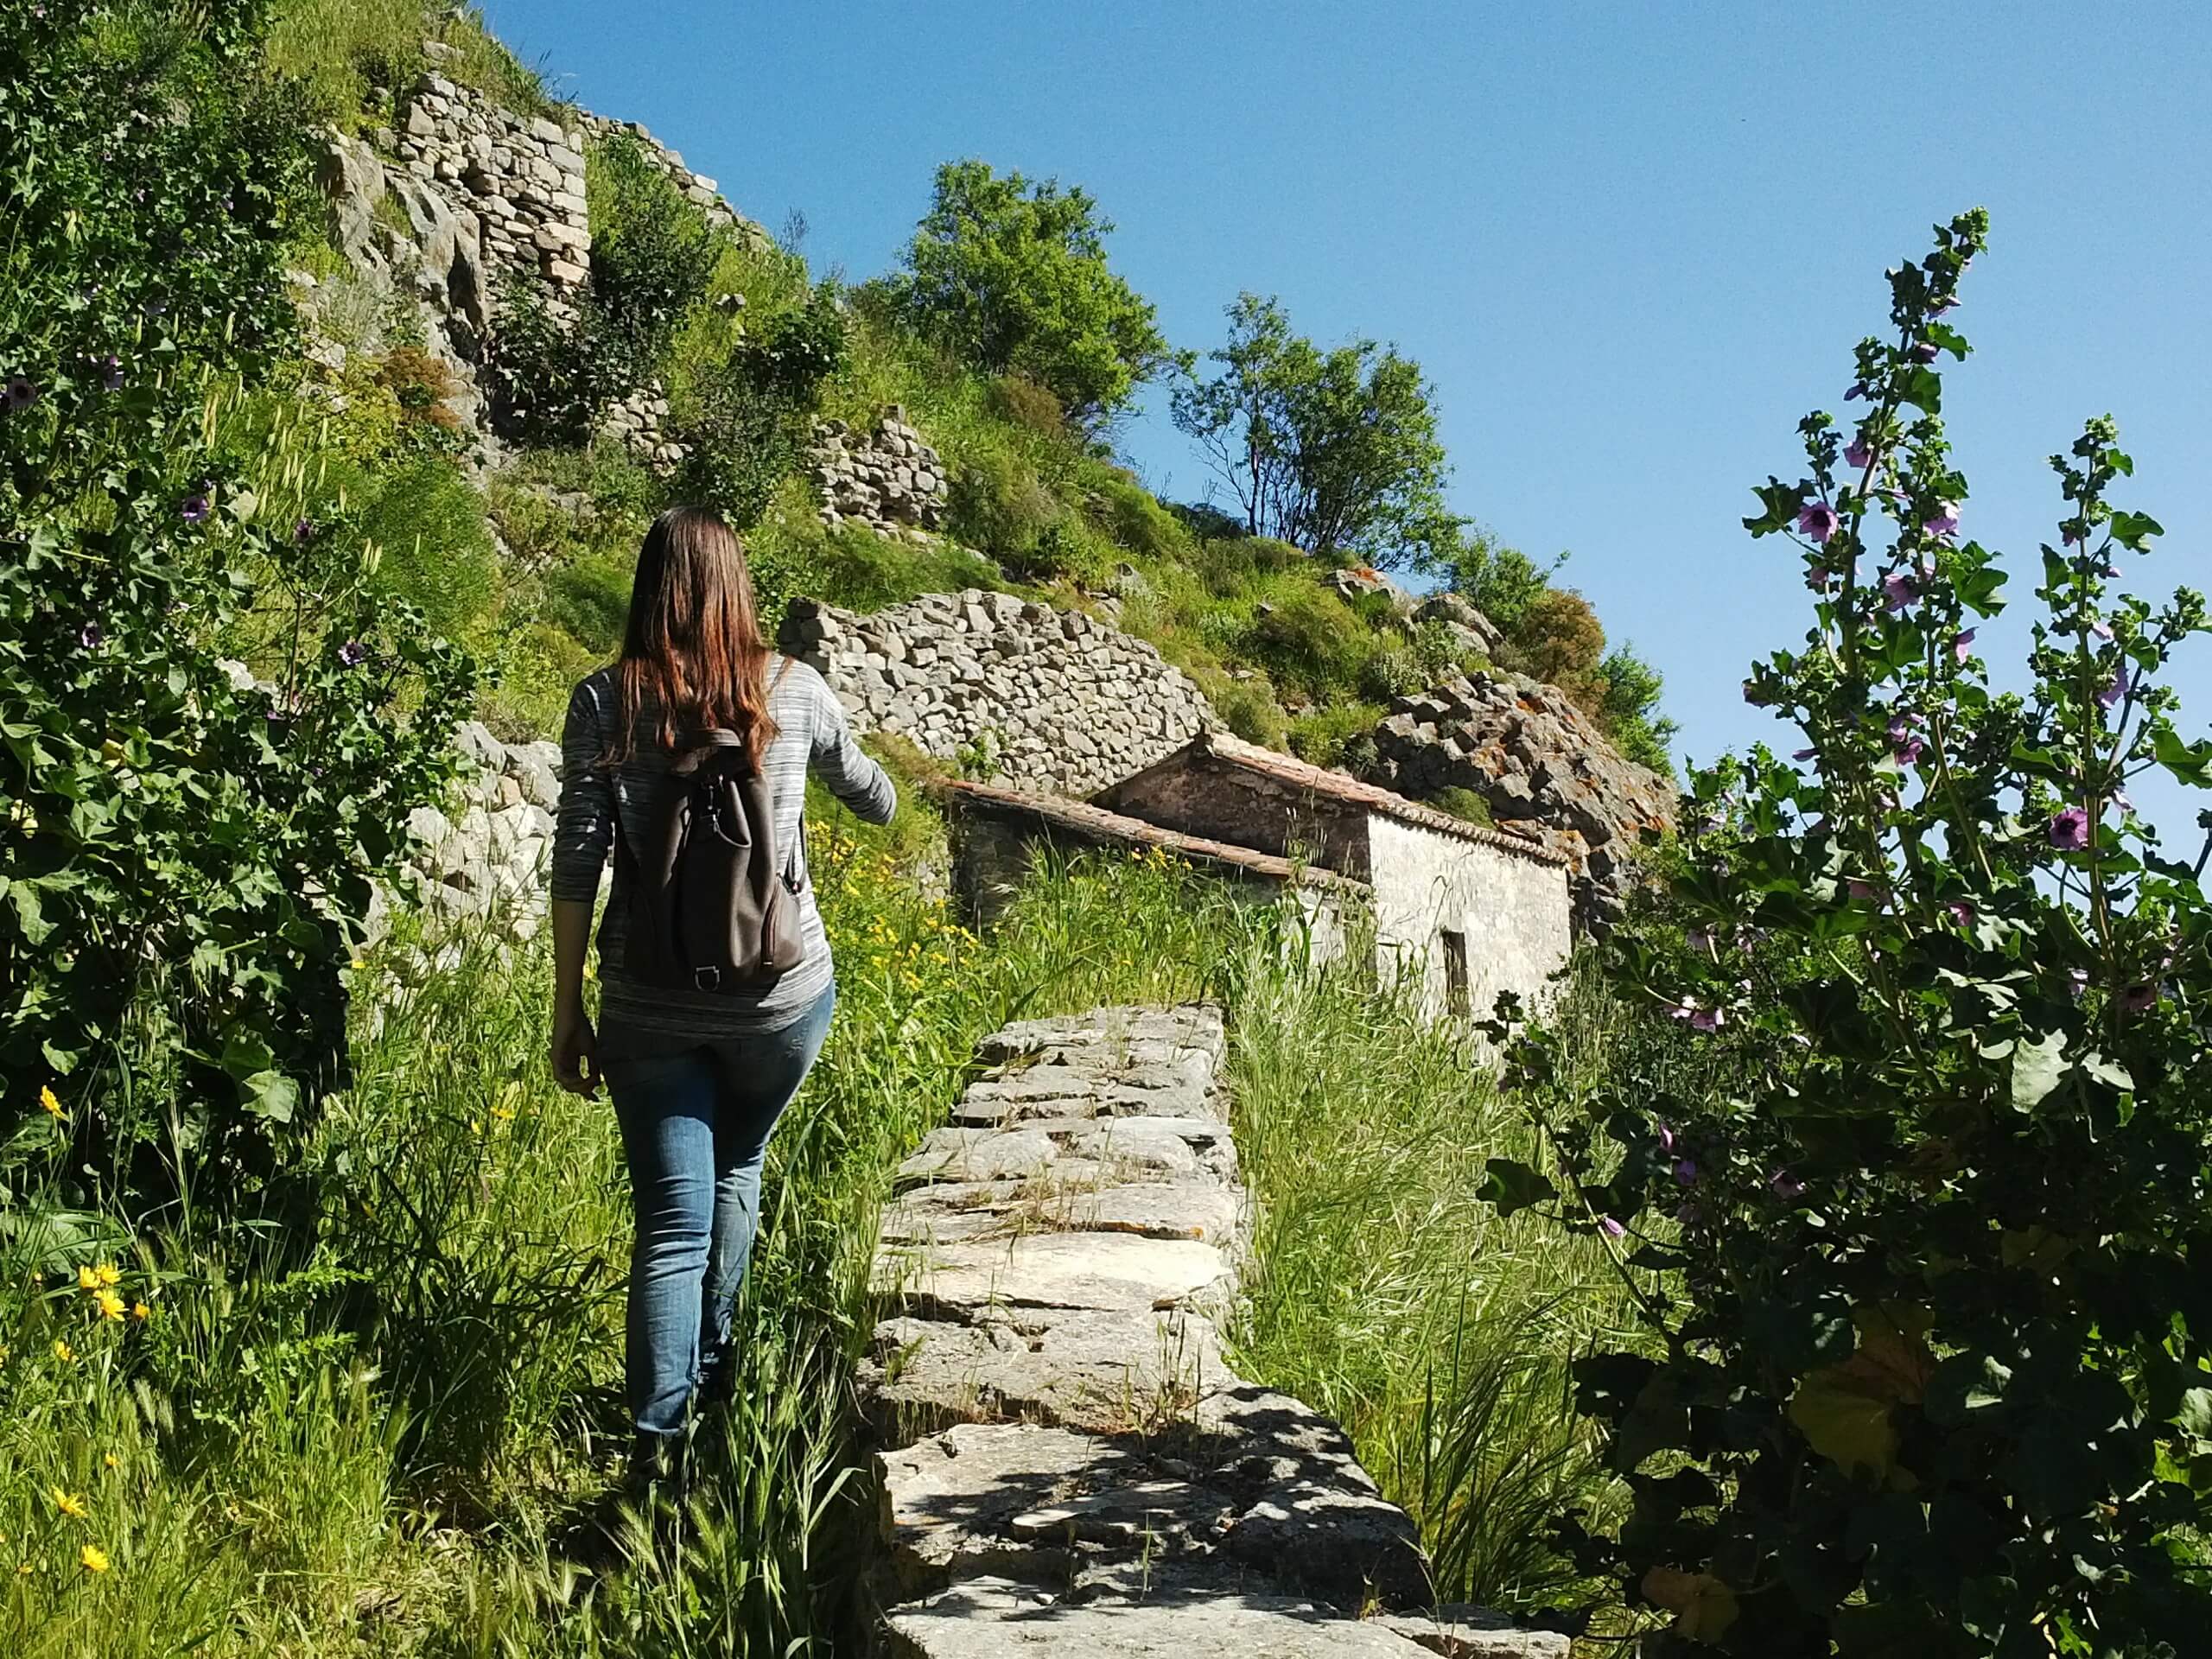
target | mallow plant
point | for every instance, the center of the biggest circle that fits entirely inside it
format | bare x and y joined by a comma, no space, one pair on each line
1907,1165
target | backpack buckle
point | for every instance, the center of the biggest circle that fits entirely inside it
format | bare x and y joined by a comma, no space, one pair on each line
707,979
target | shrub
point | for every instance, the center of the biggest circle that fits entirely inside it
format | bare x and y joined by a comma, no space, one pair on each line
1309,638
1139,522
1011,276
1462,802
1018,398
1248,708
1000,505
187,862
1335,734
745,421
1390,672
1908,1156
1502,582
1558,641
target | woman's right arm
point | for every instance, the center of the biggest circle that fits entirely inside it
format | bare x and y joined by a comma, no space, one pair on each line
582,835
850,771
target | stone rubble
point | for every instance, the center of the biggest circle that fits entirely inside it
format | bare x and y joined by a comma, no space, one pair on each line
1044,699
1542,767
487,856
891,482
1065,1458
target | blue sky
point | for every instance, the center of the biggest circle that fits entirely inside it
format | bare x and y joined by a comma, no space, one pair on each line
1631,244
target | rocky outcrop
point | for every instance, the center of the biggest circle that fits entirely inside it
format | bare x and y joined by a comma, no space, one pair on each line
1543,768
890,481
1065,1458
1005,688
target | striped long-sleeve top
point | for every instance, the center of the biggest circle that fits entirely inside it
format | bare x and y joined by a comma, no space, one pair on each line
811,734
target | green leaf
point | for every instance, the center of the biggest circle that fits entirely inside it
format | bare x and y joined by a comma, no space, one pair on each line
2037,1065
270,1095
1512,1187
2134,530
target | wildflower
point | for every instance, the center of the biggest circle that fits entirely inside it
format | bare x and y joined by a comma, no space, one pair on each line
1803,754
2102,630
63,1351
1816,577
108,1274
19,393
90,636
1962,913
1926,351
2138,999
1699,938
1610,1227
194,508
2077,981
87,1279
2120,800
46,1098
1857,390
112,372
353,653
69,1503
1857,454
1708,1019
1666,1139
2116,691
1686,1171
110,1305
1898,591
1906,744
93,1557
141,1312
1787,1186
109,1460
1944,521
1819,520
1962,644
2069,830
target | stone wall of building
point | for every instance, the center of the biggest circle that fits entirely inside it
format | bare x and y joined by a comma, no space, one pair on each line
1006,688
1503,915
1065,1459
889,481
1541,765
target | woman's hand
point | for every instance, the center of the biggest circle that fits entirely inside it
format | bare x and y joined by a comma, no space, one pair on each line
576,1051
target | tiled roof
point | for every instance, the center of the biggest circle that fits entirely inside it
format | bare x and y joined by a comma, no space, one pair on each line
1099,824
1343,787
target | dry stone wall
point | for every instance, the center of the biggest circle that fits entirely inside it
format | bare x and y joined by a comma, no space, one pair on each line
1540,765
1064,1460
522,176
697,188
1040,698
891,480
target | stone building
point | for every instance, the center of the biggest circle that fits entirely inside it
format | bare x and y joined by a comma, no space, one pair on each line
1469,911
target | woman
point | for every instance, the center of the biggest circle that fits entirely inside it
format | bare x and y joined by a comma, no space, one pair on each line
698,1079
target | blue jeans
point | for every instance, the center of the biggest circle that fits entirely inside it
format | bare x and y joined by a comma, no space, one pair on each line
695,1122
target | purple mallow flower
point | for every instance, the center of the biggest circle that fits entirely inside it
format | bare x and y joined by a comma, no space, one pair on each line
2069,830
2116,691
1857,454
1610,1227
20,393
1926,351
1857,390
1816,577
1944,521
1686,1171
90,636
1962,644
1787,1186
1962,913
194,508
1898,591
353,653
2077,981
2138,999
1803,754
2102,630
302,532
1819,520
112,372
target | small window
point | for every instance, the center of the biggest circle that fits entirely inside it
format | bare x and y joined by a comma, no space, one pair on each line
1457,999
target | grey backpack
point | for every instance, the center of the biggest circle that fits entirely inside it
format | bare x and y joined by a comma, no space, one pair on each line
709,908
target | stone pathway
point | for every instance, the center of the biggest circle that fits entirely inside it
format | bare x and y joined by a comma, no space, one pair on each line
1067,1463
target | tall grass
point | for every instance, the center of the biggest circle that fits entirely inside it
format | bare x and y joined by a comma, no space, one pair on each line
341,51
1383,1292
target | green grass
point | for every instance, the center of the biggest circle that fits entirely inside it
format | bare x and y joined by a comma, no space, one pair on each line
1386,1294
348,55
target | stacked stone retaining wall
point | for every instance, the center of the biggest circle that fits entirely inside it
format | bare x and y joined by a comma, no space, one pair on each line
522,176
890,481
1065,1460
1009,688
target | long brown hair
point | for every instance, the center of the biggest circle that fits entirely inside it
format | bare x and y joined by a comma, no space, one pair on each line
692,649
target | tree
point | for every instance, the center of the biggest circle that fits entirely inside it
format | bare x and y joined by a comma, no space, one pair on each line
1011,276
1336,452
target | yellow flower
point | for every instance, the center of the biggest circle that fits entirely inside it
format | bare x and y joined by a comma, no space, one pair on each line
62,1350
109,1460
93,1557
141,1312
108,1274
25,1568
69,1504
46,1098
87,1279
111,1304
